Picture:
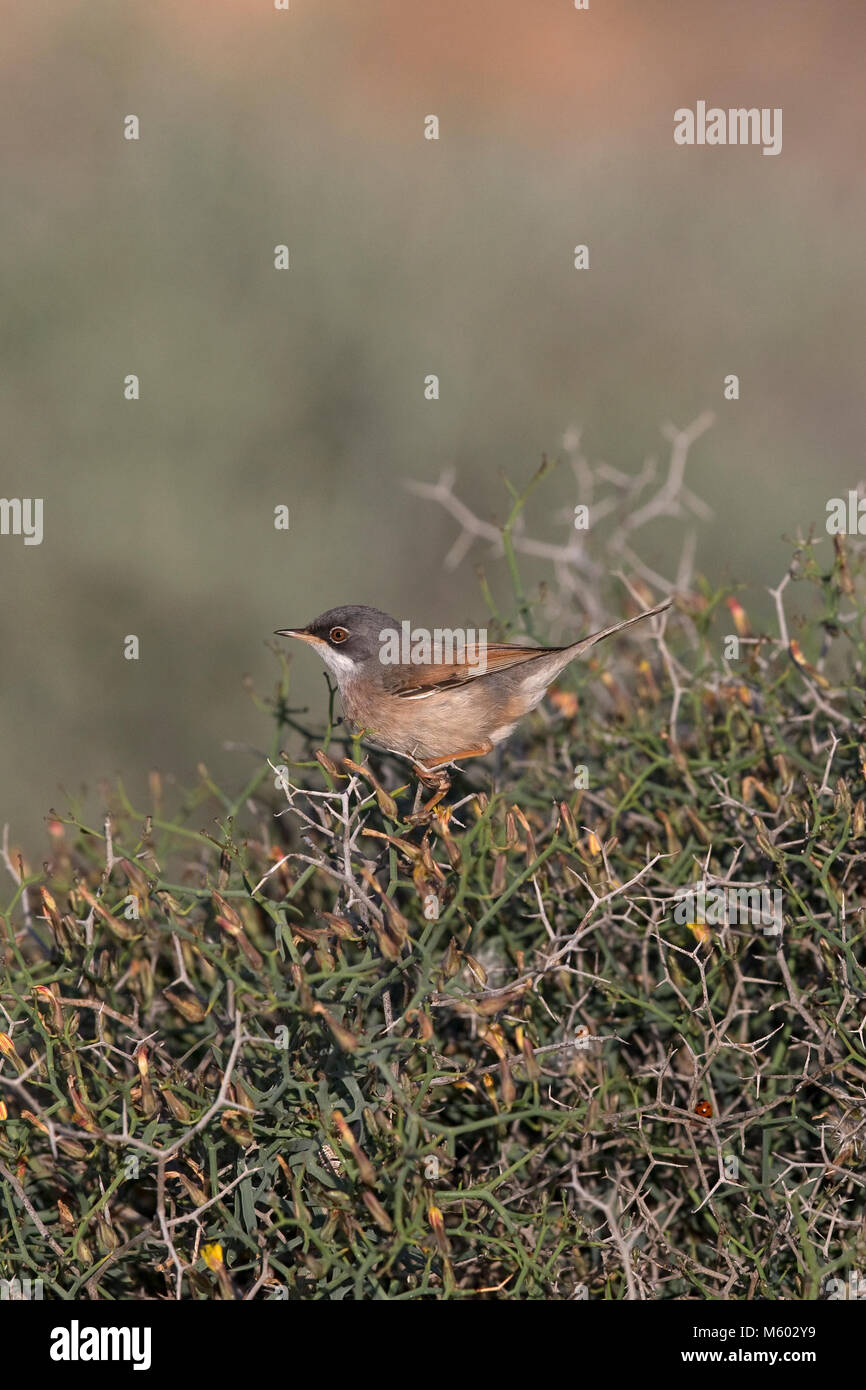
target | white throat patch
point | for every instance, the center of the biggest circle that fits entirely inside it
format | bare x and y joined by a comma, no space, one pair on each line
341,665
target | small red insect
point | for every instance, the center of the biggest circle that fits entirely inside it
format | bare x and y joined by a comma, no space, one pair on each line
704,1108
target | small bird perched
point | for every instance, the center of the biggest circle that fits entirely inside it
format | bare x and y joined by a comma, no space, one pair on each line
435,711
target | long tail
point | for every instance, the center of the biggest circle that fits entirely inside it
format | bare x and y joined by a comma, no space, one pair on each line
586,642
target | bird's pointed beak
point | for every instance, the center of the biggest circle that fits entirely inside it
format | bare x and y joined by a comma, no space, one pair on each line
300,632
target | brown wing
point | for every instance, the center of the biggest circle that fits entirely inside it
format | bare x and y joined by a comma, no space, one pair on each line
416,682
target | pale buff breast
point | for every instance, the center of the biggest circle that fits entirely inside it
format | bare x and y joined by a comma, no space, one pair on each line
439,723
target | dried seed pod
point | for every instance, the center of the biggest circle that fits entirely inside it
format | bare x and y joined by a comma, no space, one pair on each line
437,1225
500,869
47,994
440,823
843,574
386,803
533,1071
67,1221
702,832
83,1115
740,617
366,1171
377,1211
591,846
106,1237
235,1124
187,1002
116,926
497,1003
179,1108
7,1048
569,822
476,967
149,1102
764,842
507,1087
141,981
340,926
803,665
330,767
452,960
490,1087
405,847
842,797
344,1039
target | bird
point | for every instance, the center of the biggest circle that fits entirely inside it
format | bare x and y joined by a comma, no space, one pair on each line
434,712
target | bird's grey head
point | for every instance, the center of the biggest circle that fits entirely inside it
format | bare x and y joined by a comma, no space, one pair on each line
347,638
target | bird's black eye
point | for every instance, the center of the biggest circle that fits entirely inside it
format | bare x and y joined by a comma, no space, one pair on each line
338,634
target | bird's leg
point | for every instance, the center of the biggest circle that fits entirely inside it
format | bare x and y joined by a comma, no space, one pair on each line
428,777
479,752
436,777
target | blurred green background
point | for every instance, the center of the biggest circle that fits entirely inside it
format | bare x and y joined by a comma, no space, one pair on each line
408,257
